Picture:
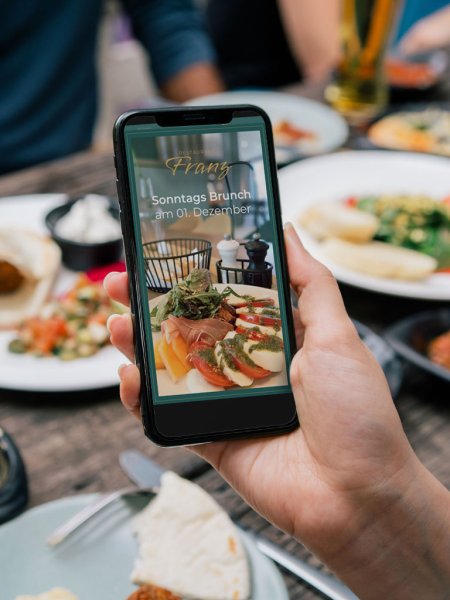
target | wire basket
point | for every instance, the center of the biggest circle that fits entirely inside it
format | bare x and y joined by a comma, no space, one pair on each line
244,274
167,262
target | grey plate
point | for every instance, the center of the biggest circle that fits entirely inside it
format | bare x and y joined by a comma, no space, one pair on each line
410,337
97,561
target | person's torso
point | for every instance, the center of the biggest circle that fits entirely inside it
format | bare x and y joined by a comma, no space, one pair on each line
251,43
47,79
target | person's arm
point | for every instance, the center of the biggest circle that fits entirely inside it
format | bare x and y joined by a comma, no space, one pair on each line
312,30
346,483
181,53
427,34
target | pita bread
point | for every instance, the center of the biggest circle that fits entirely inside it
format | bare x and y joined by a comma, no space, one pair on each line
189,545
37,259
55,594
380,259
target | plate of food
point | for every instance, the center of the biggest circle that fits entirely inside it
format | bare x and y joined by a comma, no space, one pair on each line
416,73
426,130
424,341
181,545
53,333
379,220
211,336
301,127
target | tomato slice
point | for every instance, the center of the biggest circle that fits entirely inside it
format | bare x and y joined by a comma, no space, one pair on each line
251,334
209,370
260,320
248,367
262,302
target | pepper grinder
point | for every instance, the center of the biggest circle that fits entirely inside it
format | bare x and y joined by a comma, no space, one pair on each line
258,271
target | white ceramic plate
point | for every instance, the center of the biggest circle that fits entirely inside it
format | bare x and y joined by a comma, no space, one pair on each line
336,177
97,561
330,128
27,373
168,387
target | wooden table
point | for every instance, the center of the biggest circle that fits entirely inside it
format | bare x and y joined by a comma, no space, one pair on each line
71,442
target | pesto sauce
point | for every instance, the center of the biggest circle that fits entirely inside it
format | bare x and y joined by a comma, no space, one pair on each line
272,344
225,356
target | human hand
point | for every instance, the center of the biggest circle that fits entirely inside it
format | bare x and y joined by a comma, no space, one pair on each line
427,34
338,482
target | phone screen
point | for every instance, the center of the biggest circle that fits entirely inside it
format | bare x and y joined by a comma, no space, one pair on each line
208,260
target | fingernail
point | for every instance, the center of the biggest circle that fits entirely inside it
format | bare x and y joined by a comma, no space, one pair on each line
121,368
290,231
109,276
110,320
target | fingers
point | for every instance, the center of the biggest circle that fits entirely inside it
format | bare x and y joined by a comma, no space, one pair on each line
130,385
120,328
321,305
116,284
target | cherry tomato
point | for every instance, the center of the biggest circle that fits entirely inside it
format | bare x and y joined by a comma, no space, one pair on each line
351,202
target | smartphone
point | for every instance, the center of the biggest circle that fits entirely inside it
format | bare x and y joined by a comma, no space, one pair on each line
209,286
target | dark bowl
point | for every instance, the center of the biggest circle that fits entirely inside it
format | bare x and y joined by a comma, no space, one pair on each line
80,256
411,336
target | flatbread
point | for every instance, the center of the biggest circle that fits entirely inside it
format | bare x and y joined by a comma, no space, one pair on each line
426,131
37,258
189,545
380,259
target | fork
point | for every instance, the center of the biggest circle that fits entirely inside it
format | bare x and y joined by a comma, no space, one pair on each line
86,514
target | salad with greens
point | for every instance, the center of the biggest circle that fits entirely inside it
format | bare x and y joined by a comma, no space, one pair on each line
417,222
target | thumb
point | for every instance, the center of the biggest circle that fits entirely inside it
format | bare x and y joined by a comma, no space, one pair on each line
321,307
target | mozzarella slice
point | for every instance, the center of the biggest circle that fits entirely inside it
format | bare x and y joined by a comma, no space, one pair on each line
262,328
266,359
235,376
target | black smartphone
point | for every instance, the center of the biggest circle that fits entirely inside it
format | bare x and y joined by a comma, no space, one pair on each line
209,286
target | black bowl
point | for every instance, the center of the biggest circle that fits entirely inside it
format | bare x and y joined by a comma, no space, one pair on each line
81,256
411,336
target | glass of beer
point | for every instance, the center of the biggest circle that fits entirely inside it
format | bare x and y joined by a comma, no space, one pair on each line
359,89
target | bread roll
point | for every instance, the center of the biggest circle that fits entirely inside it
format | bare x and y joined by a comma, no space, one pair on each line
336,221
380,259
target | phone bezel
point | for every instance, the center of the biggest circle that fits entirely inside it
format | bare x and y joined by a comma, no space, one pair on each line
206,420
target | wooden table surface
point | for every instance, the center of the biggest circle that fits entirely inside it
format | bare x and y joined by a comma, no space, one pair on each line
71,442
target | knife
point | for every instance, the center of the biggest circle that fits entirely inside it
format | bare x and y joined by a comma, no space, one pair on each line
147,474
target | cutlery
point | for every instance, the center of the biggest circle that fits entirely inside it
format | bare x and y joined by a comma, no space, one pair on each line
60,534
144,472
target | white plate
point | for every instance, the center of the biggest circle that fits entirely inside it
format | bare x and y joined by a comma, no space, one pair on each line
28,373
96,563
165,384
330,128
333,178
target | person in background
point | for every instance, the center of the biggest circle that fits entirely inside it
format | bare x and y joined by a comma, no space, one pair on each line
425,26
346,483
48,69
269,43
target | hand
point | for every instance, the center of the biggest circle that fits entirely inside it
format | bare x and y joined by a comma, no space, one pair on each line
427,34
338,483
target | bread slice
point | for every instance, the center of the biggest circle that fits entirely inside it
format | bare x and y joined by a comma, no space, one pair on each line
336,221
55,594
189,545
380,259
37,258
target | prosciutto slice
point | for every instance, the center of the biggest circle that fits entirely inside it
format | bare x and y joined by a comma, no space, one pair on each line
207,330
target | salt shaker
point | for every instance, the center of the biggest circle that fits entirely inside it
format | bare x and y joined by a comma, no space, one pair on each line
228,249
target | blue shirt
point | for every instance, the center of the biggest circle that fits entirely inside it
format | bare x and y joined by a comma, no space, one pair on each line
414,10
48,73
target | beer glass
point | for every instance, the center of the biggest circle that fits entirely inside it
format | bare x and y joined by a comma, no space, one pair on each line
359,89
